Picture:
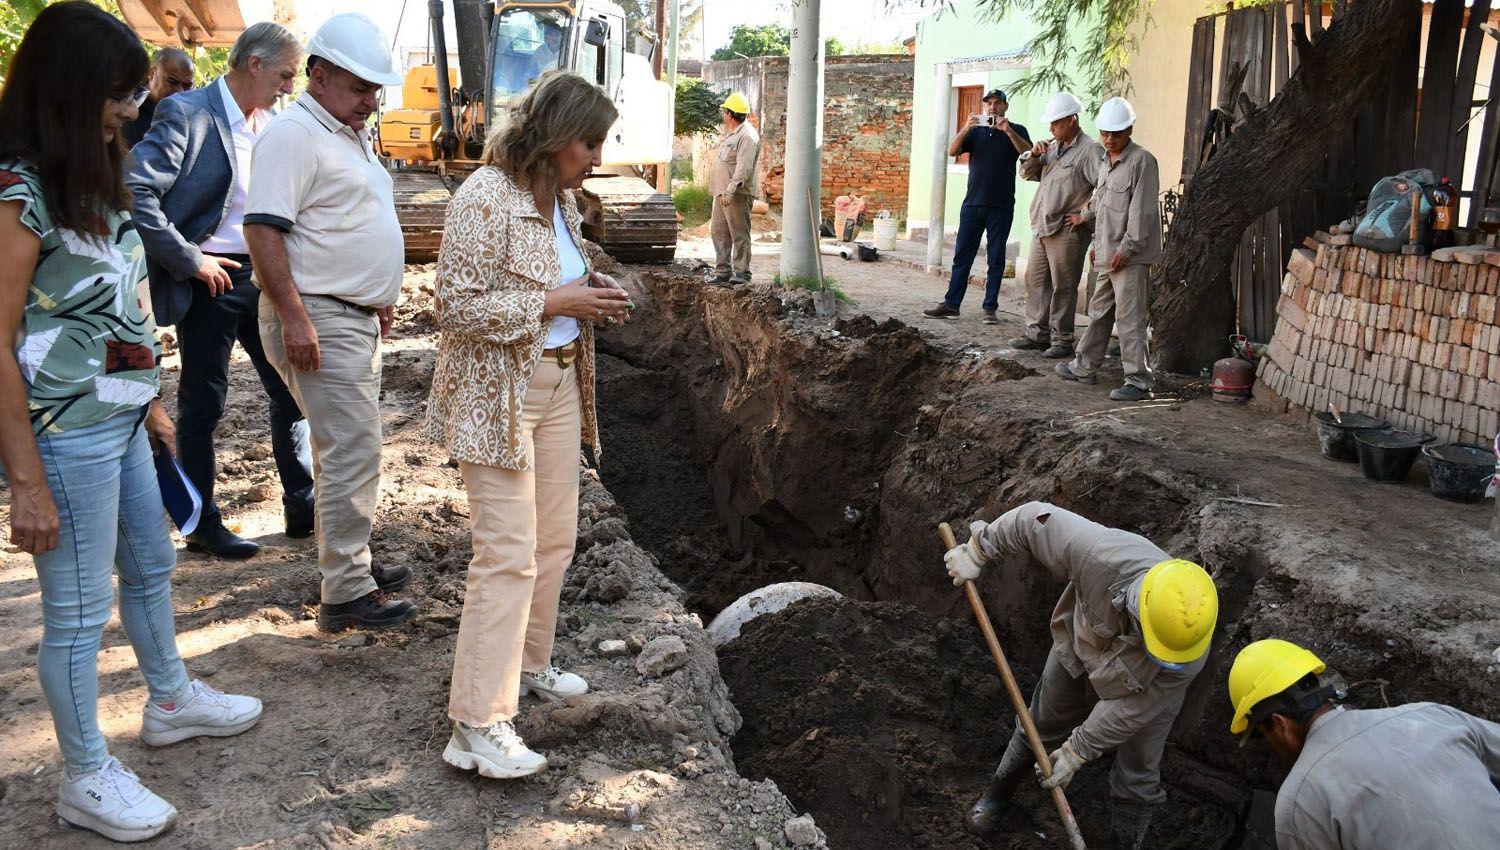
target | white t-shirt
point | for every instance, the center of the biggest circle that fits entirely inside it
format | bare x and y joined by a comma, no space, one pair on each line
564,330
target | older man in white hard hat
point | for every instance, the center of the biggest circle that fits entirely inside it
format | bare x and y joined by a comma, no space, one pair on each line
1129,634
1127,240
732,182
1416,775
320,222
1066,166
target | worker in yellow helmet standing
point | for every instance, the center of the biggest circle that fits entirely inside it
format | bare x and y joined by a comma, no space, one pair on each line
732,182
1416,776
1129,633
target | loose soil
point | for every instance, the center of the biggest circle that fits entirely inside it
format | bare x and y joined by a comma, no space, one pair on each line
827,451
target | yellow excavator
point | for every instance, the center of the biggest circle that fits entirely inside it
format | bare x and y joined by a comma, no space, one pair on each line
435,138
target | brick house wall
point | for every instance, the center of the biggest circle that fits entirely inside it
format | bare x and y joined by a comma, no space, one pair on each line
866,126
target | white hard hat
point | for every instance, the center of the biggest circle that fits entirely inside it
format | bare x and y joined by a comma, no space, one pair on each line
1061,105
356,44
1115,115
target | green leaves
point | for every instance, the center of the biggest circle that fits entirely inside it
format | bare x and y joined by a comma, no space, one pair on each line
697,107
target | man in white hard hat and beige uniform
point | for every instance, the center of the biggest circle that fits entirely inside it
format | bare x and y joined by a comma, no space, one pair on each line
320,221
1066,166
1127,241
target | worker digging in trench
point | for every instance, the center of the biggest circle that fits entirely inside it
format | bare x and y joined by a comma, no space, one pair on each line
1129,633
1415,776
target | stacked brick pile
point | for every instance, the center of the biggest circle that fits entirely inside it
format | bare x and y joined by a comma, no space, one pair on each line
1415,340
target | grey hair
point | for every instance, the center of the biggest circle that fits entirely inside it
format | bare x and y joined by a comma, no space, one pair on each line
171,54
267,39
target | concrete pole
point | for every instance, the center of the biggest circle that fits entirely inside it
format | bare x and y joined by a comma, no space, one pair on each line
942,125
804,142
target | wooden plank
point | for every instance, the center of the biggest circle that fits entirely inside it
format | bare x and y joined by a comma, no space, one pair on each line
1257,47
1401,105
1487,172
1268,280
1232,51
1299,16
1439,66
1463,91
1200,94
1281,67
1314,18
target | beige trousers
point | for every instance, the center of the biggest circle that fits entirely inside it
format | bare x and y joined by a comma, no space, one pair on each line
342,404
729,226
1121,298
1052,275
525,529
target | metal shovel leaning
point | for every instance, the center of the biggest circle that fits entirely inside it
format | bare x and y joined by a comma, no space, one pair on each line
1070,824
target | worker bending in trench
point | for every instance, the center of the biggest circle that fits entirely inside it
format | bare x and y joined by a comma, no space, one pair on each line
1128,635
1415,776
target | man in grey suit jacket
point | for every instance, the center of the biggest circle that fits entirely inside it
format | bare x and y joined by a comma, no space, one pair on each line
189,177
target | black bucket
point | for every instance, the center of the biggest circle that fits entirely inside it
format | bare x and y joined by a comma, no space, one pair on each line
1459,472
1387,455
1336,439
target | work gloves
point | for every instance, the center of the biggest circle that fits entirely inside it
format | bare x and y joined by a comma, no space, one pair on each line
965,560
1065,763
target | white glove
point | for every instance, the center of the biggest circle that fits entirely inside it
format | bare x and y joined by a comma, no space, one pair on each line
964,562
1065,762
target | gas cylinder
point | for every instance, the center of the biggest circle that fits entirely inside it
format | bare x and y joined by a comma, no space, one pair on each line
1232,379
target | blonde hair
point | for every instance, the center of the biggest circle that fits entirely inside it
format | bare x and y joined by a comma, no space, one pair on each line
560,109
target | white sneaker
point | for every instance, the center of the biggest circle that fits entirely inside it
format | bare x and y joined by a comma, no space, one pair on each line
112,802
200,711
553,684
495,751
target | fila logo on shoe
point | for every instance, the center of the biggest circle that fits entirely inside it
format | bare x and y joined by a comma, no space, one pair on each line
94,795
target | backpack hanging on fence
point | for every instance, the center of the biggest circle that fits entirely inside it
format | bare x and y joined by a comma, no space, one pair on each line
1386,224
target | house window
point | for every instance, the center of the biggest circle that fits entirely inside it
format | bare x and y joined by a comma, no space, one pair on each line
970,101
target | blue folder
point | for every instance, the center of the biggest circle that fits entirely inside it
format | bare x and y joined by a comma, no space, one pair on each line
178,494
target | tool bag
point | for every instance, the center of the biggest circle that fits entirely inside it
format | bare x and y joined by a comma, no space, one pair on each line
1386,225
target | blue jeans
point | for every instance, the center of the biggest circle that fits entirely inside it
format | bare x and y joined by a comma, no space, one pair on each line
103,481
994,224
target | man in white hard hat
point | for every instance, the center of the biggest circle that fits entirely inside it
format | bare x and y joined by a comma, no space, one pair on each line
731,179
1416,775
1127,240
320,221
1129,633
1066,166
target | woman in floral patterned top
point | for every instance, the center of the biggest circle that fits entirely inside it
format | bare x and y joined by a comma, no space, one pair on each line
79,413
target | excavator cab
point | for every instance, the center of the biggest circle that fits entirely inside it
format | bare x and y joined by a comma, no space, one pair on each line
529,39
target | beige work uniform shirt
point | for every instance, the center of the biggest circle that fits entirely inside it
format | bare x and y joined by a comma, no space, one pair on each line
1067,175
1094,628
733,170
1124,207
1415,777
318,181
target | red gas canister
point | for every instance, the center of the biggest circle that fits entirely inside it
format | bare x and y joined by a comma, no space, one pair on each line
1232,379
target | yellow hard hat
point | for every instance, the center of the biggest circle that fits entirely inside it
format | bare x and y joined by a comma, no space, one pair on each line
736,103
1264,669
1178,609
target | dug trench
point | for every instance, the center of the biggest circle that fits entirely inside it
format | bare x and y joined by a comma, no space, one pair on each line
751,443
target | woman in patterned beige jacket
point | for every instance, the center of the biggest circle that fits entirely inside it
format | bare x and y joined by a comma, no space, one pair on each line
513,398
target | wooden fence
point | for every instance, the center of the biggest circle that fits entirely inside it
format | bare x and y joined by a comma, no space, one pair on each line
1413,123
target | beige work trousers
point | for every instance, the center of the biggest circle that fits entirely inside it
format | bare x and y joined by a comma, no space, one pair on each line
730,228
525,529
1061,702
342,404
1052,274
1122,299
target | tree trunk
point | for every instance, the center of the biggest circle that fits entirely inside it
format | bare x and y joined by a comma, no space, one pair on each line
1272,151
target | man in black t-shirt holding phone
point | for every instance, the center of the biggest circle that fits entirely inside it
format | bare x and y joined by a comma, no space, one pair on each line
993,144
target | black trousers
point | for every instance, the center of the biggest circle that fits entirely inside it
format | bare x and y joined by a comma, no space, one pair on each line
205,337
993,223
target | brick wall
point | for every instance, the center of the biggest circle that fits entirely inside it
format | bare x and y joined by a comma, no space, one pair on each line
866,126
1415,340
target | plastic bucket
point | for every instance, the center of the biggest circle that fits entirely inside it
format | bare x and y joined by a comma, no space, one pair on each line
1336,439
1387,455
1459,472
885,234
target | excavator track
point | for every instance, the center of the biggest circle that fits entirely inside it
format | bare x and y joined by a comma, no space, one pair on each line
632,221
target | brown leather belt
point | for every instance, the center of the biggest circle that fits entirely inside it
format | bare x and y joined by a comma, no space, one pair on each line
564,355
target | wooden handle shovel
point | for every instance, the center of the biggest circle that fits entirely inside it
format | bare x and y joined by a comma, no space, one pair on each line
1017,699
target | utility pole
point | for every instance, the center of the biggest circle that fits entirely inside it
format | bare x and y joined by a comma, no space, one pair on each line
804,144
666,69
